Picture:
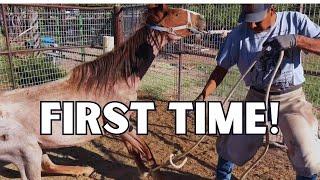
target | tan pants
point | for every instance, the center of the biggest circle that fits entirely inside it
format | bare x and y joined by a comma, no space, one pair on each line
300,131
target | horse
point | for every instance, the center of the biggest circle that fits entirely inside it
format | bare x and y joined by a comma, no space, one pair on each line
114,76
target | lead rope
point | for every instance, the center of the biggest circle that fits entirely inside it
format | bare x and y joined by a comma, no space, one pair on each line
267,144
174,158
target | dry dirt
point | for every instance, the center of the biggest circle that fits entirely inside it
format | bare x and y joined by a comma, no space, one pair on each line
109,157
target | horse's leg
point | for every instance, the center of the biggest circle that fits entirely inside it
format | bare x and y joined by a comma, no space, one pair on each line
49,167
139,150
25,153
20,148
32,160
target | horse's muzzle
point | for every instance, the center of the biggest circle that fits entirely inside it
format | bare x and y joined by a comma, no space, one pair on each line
201,25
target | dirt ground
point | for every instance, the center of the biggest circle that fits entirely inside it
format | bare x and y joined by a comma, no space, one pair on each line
109,157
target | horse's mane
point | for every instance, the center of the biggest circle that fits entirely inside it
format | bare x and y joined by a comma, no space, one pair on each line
119,64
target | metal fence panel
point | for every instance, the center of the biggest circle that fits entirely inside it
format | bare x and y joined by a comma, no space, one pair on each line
48,41
35,27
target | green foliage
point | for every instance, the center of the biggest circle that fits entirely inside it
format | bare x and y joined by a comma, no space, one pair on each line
31,71
36,71
157,84
286,7
311,89
215,19
2,42
205,68
4,69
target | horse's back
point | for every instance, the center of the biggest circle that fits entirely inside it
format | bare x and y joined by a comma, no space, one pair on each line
23,106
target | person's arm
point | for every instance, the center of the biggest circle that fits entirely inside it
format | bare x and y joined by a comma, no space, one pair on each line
289,41
308,44
307,37
227,57
214,81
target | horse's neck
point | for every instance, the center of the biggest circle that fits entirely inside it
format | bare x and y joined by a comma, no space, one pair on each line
149,50
162,40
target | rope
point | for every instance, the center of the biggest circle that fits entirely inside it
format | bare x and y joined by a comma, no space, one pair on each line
174,158
267,144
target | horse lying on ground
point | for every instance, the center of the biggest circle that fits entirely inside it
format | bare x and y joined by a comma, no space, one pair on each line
114,76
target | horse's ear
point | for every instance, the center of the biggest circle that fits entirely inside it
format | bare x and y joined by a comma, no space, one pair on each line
160,7
156,12
163,7
151,6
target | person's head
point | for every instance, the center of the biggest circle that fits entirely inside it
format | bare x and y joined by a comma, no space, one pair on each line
259,17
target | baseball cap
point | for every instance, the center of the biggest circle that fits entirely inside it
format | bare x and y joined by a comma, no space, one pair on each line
253,12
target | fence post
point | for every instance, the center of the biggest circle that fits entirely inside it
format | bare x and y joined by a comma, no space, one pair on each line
300,8
83,52
118,18
5,28
179,77
35,34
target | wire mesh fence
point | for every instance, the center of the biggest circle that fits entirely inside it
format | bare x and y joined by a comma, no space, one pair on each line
34,27
48,41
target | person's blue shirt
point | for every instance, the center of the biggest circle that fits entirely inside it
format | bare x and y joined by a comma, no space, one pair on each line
242,45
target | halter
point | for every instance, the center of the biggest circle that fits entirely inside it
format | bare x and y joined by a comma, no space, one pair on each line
172,30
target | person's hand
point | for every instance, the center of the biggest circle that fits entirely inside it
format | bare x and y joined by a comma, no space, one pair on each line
199,98
281,42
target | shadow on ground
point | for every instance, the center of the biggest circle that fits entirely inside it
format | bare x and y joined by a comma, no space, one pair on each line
105,169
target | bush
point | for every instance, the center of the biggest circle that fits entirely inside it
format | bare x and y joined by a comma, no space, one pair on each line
30,71
35,71
2,42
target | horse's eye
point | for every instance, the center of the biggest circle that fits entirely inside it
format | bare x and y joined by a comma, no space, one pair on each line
177,15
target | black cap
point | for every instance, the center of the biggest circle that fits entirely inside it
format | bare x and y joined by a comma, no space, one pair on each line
253,12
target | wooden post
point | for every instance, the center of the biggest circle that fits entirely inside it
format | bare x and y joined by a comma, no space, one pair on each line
118,31
83,52
179,76
5,28
35,34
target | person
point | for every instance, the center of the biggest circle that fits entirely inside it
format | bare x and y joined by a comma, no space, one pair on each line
292,32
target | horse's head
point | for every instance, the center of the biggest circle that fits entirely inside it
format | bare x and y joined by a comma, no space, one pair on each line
176,22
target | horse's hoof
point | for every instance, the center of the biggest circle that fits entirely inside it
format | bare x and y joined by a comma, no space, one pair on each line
95,175
88,172
153,176
85,171
144,176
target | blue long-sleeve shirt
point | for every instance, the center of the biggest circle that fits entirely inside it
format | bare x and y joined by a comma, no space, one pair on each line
242,45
